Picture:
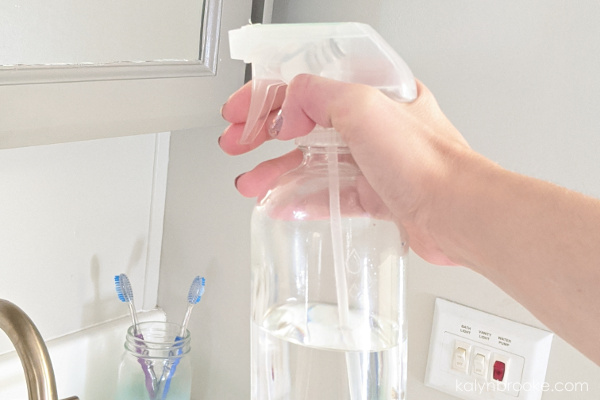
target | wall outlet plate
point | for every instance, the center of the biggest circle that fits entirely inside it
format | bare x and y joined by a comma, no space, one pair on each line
474,355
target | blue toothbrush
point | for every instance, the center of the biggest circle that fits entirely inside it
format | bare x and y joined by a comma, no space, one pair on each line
125,293
194,296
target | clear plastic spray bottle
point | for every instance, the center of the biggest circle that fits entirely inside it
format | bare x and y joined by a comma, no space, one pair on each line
328,264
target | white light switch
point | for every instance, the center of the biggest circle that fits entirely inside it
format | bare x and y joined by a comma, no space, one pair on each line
460,358
476,355
479,365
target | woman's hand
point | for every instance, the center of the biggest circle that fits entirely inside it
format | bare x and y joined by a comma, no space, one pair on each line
403,149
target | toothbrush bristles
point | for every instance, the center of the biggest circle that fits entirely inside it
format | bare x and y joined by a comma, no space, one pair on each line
196,290
123,287
194,295
125,294
119,290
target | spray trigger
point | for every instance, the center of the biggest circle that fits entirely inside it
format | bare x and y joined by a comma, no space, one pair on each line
264,94
347,52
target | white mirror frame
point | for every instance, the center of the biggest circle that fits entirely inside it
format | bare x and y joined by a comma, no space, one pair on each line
206,65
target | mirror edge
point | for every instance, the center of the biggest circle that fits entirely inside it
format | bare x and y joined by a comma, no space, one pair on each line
206,65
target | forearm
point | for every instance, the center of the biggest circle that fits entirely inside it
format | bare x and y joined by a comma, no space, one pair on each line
538,242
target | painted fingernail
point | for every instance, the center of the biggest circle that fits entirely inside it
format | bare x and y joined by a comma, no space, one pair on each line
275,127
235,182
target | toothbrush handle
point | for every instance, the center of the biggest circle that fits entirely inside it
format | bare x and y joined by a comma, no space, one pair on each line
134,318
172,370
150,376
186,320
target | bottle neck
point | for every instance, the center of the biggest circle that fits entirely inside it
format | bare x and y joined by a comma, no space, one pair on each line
321,137
323,154
321,149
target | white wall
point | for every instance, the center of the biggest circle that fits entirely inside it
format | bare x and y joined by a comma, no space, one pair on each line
73,216
207,228
520,81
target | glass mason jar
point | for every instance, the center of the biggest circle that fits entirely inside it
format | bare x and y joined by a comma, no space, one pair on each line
328,287
155,364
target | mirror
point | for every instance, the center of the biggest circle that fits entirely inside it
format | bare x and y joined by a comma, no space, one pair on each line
67,40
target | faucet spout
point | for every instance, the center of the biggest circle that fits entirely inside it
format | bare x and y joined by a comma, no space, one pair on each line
39,374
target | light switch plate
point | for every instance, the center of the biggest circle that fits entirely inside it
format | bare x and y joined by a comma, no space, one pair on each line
515,355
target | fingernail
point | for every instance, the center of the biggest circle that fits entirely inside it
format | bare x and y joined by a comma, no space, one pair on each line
236,179
221,110
275,127
219,141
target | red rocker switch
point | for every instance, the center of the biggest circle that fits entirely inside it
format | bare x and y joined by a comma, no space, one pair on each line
499,368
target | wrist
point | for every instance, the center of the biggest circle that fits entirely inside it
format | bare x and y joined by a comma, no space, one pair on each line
462,197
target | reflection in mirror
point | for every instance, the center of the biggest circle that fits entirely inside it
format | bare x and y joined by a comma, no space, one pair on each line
68,40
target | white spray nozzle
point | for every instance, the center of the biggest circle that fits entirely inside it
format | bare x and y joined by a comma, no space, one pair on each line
348,52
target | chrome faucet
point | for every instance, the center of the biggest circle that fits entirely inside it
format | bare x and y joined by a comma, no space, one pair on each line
39,375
